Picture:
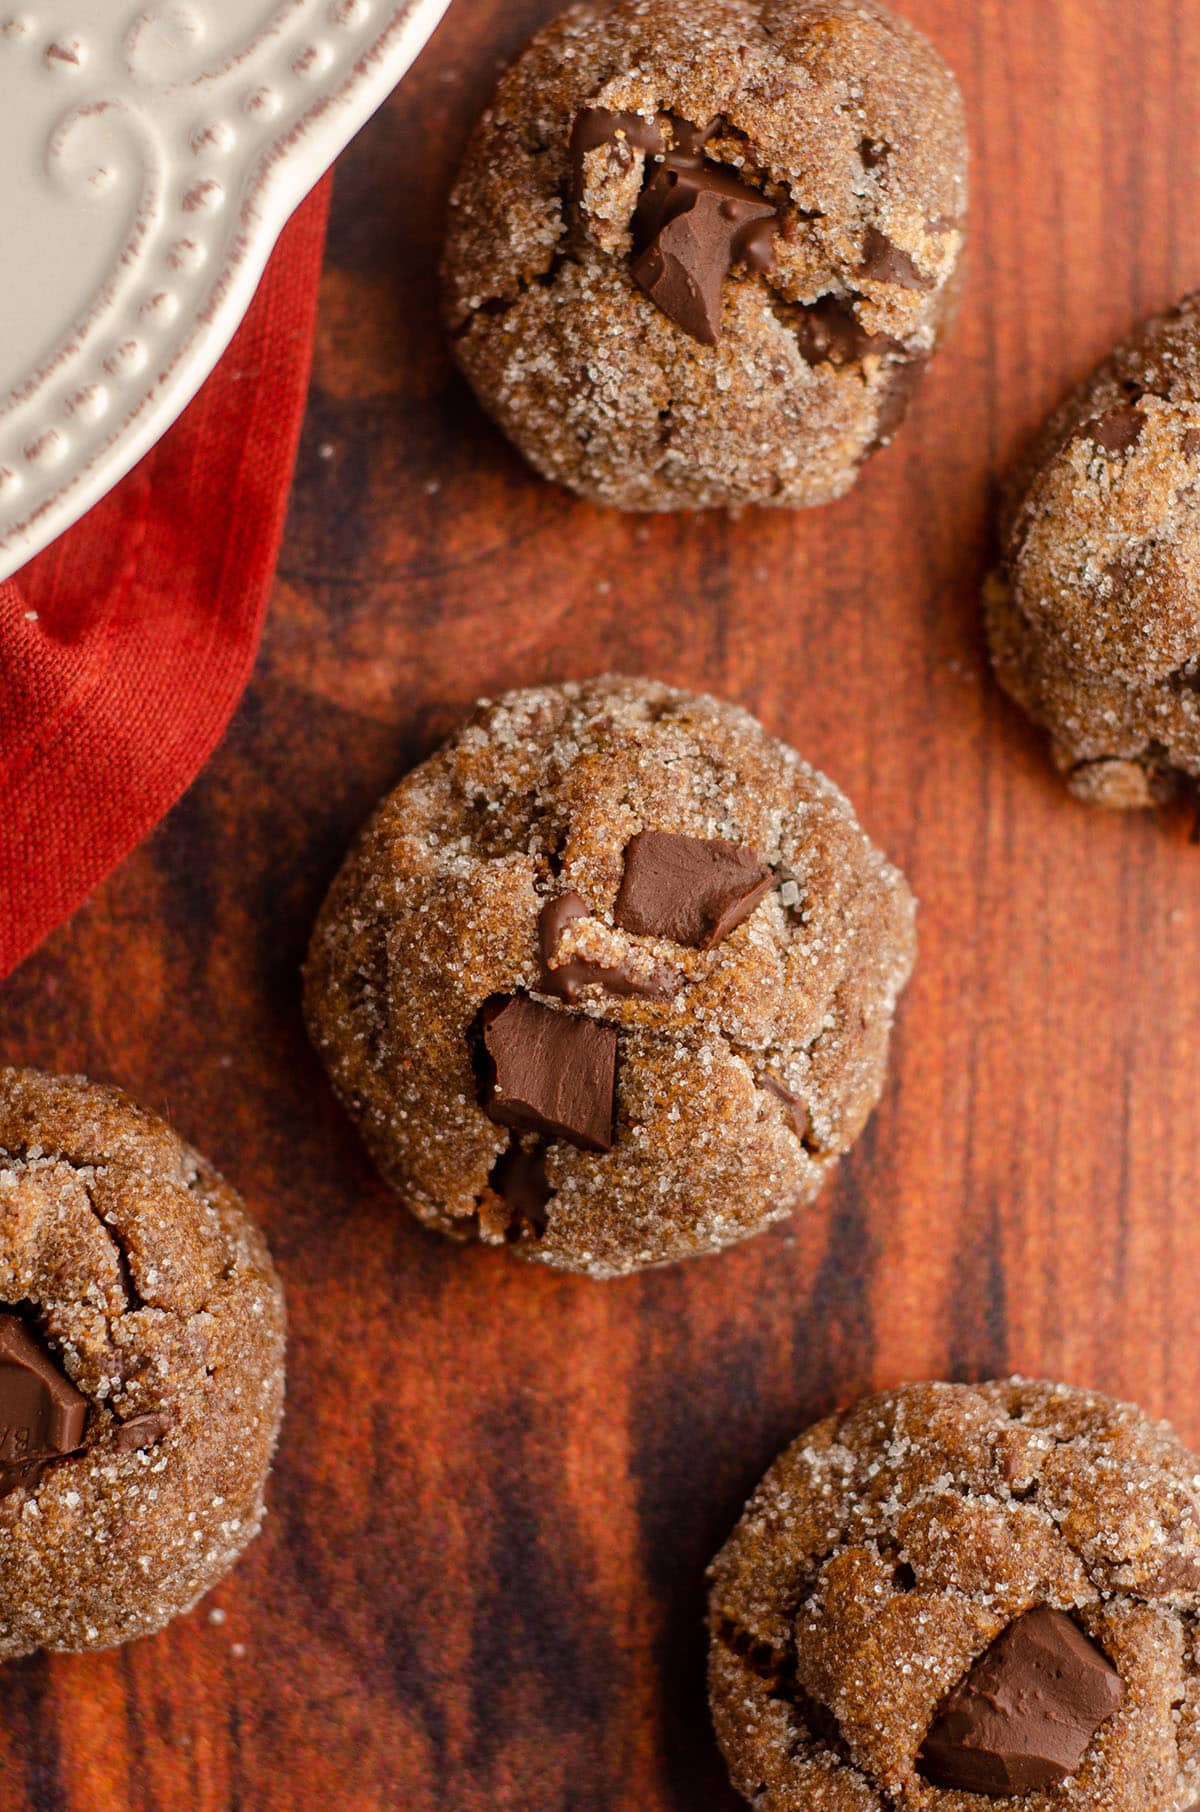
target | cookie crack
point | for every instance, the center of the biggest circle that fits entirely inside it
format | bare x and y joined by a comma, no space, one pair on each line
84,1175
561,252
828,332
817,1726
757,1654
692,1041
134,1300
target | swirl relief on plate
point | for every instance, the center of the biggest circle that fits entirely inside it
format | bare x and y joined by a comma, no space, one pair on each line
149,157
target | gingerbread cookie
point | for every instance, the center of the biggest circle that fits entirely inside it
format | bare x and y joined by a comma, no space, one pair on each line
1094,612
700,250
610,977
952,1596
141,1369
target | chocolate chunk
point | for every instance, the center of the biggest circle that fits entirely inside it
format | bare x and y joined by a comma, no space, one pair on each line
797,1112
694,222
1191,443
42,1415
885,262
142,1431
1116,430
691,139
873,152
550,1073
829,333
895,397
597,126
555,917
1178,1573
691,891
568,980
1022,1720
519,1179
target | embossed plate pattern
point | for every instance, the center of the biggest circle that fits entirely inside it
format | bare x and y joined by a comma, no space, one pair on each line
149,157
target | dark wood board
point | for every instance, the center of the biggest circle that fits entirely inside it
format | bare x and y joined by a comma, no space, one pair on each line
481,1584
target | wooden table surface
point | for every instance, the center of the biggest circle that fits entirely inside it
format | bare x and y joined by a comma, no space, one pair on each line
481,1584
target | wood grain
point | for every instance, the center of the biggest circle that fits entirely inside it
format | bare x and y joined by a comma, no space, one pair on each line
481,1583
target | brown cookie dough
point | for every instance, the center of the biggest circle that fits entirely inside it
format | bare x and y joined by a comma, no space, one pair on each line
700,250
141,1369
951,1597
610,977
1094,612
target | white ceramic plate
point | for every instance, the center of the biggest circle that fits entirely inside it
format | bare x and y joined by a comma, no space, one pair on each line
149,158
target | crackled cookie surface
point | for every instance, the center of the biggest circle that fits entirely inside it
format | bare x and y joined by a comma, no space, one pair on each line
700,250
610,977
1094,612
951,1597
141,1369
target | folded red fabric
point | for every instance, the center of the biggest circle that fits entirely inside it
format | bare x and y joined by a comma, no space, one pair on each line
125,647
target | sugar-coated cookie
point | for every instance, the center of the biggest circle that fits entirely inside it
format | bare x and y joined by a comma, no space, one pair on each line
141,1369
610,978
701,250
954,1595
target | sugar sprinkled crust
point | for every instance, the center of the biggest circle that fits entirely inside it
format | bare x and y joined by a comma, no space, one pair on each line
887,1548
437,910
844,116
1094,612
155,1294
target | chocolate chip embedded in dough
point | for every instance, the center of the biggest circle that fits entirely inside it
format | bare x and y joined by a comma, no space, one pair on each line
885,262
1176,1575
691,139
829,333
895,399
1024,1717
42,1415
554,918
519,1179
569,979
1116,430
688,889
143,1431
595,127
550,1073
694,222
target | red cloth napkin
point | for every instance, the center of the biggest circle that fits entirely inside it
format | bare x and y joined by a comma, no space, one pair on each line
125,647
